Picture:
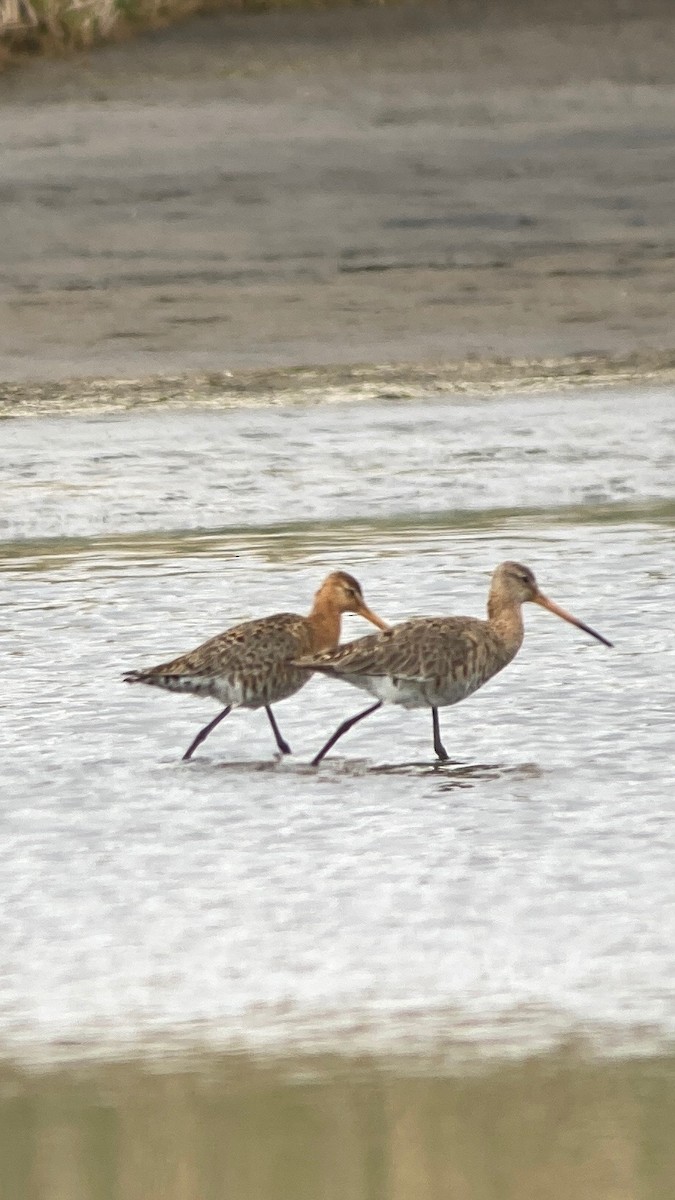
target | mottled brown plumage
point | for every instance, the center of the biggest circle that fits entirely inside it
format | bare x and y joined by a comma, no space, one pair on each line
249,666
434,662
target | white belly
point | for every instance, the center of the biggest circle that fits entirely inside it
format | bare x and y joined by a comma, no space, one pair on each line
242,692
416,693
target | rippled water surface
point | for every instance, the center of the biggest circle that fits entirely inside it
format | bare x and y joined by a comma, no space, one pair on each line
523,890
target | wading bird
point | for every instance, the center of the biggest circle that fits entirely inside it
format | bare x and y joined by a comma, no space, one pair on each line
432,662
249,666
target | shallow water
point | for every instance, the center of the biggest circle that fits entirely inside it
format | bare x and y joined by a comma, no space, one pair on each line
519,894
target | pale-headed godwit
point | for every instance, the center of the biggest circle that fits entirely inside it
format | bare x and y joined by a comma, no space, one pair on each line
249,666
432,662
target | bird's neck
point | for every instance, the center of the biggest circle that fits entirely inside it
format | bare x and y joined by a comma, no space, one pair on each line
506,621
324,623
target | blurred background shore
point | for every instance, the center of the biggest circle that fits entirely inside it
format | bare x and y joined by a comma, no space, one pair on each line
375,185
242,207
551,1127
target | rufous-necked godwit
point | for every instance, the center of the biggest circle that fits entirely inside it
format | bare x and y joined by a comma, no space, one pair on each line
249,666
432,662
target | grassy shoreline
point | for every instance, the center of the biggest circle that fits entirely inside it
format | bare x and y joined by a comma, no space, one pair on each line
43,28
227,389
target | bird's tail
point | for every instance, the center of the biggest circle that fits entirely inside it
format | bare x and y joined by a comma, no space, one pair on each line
196,685
137,677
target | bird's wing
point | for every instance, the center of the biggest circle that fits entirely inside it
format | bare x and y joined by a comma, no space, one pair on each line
243,647
413,650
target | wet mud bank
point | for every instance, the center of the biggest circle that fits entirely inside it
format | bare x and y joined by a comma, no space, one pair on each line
394,186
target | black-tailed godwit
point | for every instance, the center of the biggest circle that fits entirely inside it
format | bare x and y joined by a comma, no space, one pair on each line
433,662
249,666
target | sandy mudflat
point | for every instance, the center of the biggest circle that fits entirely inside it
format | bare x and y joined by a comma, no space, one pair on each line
362,186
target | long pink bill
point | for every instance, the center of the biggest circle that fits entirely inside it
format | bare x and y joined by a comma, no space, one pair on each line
560,612
364,611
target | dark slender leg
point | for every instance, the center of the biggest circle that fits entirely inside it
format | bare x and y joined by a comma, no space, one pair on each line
438,745
343,729
204,733
283,746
